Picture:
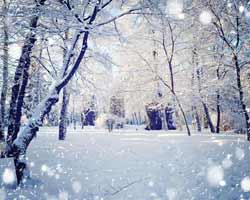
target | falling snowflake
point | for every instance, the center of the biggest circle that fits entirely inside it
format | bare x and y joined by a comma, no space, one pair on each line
59,168
171,193
44,168
151,184
215,175
97,198
63,195
153,194
205,17
32,164
239,153
8,176
175,7
57,176
51,172
245,184
223,183
241,8
227,163
76,186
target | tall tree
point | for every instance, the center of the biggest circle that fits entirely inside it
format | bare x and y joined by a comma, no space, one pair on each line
21,77
63,122
5,69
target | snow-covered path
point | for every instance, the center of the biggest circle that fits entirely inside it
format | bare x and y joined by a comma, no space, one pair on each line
136,165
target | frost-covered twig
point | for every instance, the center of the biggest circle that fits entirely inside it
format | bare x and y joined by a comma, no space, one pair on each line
124,187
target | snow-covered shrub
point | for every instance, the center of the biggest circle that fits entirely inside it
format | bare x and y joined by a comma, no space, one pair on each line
101,121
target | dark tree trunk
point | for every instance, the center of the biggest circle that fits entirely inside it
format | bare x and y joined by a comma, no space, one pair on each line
133,119
218,102
208,118
194,107
63,121
64,115
173,92
19,146
21,80
21,169
82,120
205,107
218,109
20,101
170,67
139,116
5,72
241,96
197,119
136,118
184,116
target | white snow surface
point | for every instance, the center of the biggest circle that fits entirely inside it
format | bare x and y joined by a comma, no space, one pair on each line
130,164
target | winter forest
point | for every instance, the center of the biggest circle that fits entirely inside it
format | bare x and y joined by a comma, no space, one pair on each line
124,99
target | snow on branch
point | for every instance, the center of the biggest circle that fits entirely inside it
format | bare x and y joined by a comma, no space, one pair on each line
131,11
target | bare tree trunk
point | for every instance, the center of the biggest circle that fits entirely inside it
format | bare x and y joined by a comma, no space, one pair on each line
18,91
205,107
140,119
183,115
218,102
82,120
21,80
197,118
63,122
208,118
241,96
198,121
136,118
133,119
218,109
64,115
170,56
5,72
178,104
20,101
194,107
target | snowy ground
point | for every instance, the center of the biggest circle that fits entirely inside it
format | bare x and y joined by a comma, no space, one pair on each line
133,165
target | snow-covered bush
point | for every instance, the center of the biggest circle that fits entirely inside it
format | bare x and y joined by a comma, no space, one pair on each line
101,121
